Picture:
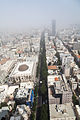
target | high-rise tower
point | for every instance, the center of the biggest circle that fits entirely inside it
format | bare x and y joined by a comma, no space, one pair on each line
53,27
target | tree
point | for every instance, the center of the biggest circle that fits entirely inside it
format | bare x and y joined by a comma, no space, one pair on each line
3,104
43,89
75,101
32,117
44,115
59,61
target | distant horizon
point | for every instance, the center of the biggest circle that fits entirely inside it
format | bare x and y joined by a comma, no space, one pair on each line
22,15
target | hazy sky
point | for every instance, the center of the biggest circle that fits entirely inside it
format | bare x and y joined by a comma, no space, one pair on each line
18,14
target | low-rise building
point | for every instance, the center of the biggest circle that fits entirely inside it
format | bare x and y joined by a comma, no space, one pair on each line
25,95
24,72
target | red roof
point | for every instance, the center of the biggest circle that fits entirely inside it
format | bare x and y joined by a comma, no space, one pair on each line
52,67
4,60
78,56
53,46
56,79
19,51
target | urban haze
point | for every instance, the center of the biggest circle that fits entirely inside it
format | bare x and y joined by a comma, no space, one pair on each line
39,60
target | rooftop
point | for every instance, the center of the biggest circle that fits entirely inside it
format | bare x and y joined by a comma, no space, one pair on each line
78,56
23,93
23,67
78,109
52,67
4,60
61,111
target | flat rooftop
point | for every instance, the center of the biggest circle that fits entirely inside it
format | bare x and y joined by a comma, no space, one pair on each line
23,93
61,111
24,68
53,78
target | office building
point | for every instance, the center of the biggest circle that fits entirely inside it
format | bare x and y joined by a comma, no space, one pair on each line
53,28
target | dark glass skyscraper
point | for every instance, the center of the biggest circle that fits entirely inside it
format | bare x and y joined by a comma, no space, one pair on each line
53,27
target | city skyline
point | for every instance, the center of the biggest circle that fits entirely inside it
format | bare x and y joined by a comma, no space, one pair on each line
22,15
